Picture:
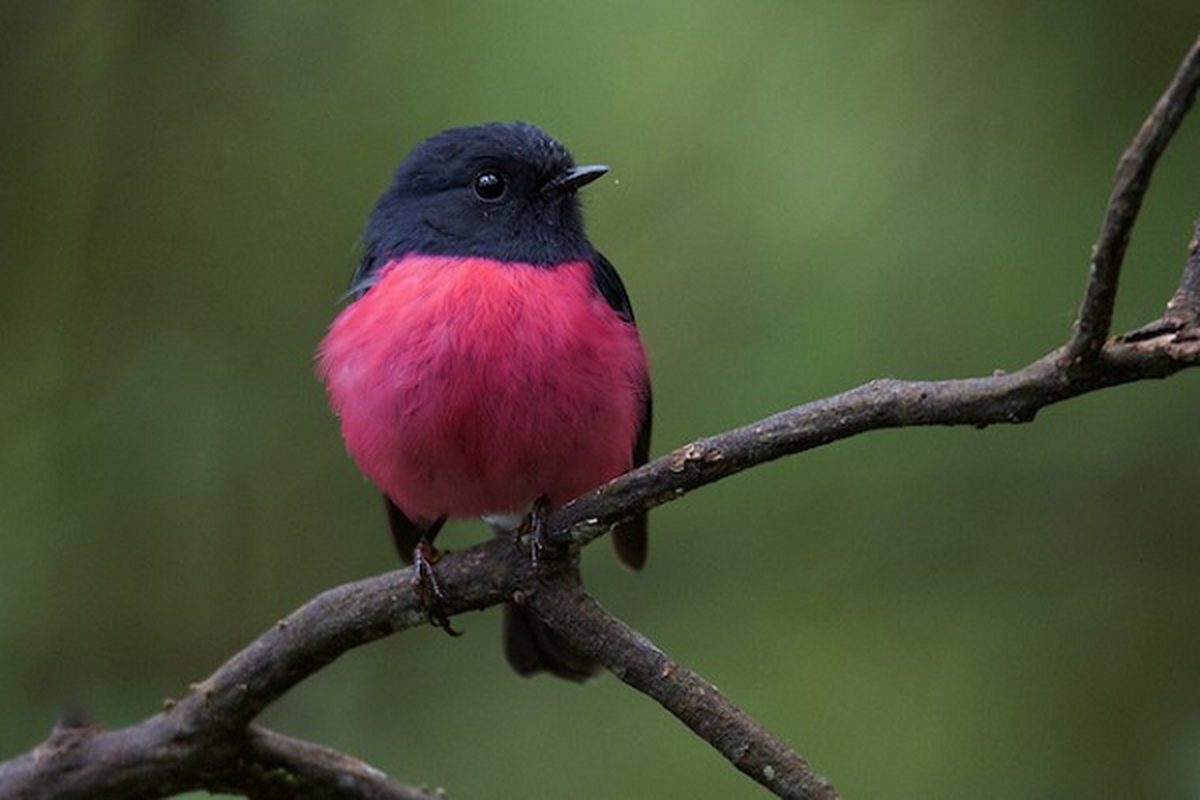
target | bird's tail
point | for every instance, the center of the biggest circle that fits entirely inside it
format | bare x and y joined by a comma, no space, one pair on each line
531,647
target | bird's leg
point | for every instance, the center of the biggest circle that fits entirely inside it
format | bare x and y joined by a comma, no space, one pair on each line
537,530
429,592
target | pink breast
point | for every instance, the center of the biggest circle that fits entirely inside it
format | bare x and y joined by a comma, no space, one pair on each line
467,387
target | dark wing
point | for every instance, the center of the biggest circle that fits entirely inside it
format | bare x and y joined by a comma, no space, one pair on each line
629,537
610,286
406,534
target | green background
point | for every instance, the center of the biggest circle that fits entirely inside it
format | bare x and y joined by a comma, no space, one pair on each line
804,197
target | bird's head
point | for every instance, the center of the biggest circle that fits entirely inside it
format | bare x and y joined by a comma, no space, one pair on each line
504,191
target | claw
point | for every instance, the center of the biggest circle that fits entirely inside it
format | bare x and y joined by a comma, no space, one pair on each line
429,592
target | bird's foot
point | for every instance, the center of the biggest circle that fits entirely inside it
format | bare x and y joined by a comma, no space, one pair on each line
541,549
429,591
537,530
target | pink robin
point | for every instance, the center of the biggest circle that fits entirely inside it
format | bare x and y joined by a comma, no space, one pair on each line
489,362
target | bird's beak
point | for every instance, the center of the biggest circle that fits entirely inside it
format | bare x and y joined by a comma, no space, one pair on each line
574,179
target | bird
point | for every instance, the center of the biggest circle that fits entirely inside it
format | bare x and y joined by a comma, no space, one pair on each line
488,363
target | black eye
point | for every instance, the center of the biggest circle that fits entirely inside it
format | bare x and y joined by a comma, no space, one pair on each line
490,185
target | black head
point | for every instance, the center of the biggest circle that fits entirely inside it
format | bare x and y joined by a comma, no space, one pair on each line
504,191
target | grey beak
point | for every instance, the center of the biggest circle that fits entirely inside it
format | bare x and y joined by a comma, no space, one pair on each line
574,179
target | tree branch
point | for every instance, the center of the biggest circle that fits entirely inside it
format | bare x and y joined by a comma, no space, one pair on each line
880,404
576,615
206,739
1132,181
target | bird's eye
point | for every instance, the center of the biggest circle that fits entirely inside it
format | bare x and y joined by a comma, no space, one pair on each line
490,185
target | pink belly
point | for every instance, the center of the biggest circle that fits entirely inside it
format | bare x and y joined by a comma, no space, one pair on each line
467,387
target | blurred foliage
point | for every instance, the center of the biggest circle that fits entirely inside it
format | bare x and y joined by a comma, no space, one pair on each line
804,197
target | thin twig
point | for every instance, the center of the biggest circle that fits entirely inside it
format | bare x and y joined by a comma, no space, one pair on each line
1132,181
1184,306
285,767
